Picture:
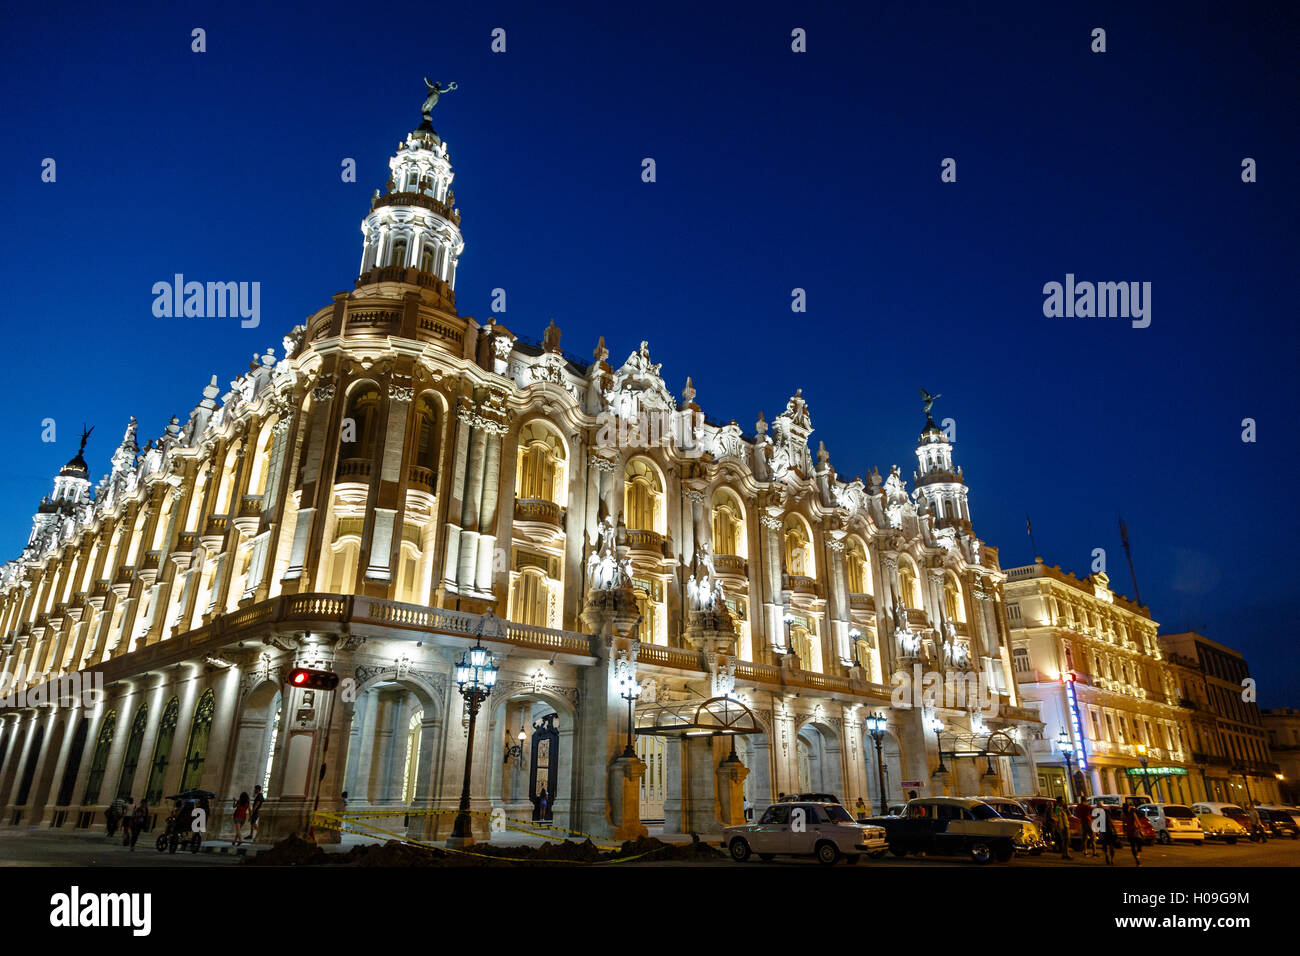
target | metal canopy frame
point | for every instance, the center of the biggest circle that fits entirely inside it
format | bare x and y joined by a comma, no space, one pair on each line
717,716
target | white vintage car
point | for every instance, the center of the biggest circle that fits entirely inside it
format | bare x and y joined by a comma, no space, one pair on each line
822,829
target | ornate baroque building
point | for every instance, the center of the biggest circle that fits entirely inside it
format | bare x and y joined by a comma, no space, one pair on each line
404,480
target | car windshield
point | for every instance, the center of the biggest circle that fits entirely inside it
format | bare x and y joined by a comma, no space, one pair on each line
1233,813
1180,812
982,811
837,814
1010,810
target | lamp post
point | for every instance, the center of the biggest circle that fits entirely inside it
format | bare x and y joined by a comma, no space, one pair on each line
631,691
476,675
936,727
1063,741
876,724
1146,777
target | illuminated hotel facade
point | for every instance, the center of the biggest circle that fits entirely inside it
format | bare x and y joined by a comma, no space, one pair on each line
403,481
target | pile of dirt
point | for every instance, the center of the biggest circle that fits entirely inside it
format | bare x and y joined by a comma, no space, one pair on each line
293,851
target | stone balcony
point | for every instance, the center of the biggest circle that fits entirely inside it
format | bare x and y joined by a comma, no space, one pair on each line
650,541
421,479
354,469
799,583
541,511
731,564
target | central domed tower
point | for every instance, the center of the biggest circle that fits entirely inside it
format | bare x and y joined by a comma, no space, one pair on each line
412,233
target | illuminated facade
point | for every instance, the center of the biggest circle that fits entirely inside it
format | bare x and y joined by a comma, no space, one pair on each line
1089,660
404,480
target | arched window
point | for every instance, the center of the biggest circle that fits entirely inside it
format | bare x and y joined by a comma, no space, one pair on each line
426,259
807,648
99,762
953,605
398,256
73,763
360,431
642,494
131,759
273,742
196,752
412,768
162,749
728,524
859,572
528,598
798,549
907,583
540,473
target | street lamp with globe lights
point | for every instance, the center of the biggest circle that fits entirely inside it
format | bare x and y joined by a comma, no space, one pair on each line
476,675
1067,748
935,726
631,691
876,725
1146,777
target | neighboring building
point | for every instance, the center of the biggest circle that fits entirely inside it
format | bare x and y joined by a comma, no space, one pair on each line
1088,660
1283,727
1237,768
370,501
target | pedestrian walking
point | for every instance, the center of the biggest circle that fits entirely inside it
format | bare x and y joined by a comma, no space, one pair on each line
139,820
254,809
1134,833
241,814
862,811
1257,834
1087,835
1109,840
113,815
128,816
1061,824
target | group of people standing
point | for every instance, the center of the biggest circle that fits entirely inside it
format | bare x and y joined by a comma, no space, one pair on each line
133,817
124,812
1097,835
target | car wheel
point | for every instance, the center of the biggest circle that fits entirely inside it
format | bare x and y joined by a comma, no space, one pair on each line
1164,837
827,853
161,844
739,850
981,852
1231,840
1005,853
897,851
767,857
852,858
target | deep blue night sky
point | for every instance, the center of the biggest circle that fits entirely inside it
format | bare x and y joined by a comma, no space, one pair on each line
775,170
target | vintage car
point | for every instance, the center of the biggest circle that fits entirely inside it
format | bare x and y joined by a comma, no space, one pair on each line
1034,843
822,829
956,826
1216,826
1278,823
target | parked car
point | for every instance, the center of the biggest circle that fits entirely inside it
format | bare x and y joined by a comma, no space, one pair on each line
1219,827
1034,843
809,798
1229,810
1173,821
1116,799
822,829
956,826
1291,812
1278,823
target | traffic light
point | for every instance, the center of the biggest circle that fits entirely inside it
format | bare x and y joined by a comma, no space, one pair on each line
317,680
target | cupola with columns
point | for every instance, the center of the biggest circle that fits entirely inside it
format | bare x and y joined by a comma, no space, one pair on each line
942,487
412,233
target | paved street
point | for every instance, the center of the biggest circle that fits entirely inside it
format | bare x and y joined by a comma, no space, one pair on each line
44,848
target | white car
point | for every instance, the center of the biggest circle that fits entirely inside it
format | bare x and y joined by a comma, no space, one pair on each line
1173,821
824,830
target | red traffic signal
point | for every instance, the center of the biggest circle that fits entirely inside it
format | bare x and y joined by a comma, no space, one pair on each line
317,680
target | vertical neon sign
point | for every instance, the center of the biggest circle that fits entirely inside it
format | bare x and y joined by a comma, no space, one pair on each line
1081,756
